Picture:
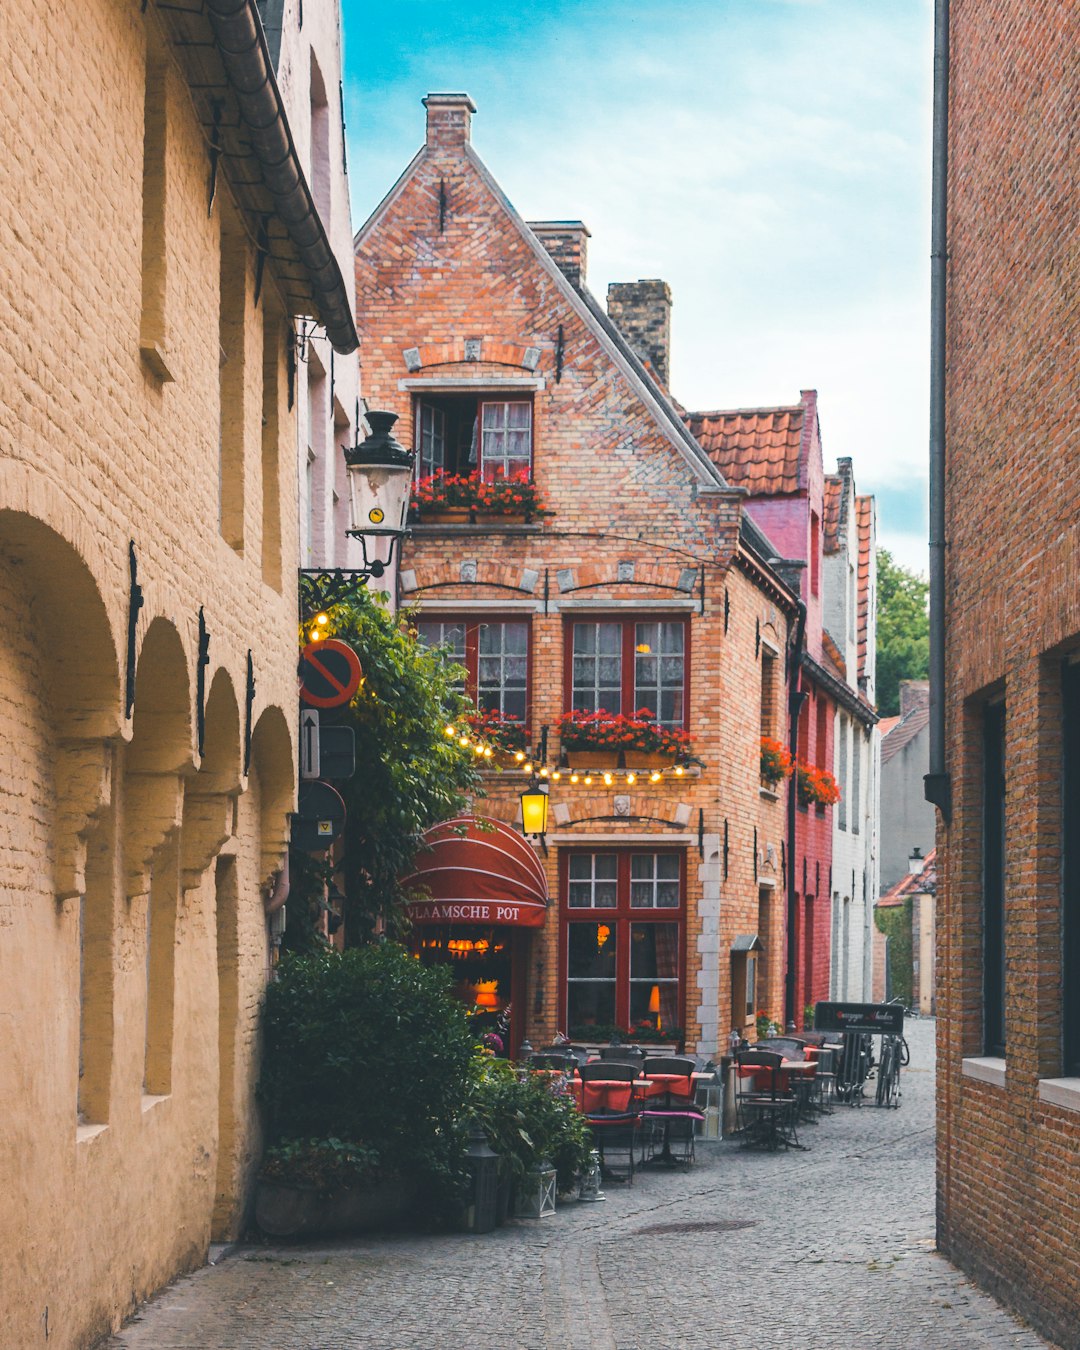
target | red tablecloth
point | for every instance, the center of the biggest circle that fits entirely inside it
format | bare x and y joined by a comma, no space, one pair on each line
678,1084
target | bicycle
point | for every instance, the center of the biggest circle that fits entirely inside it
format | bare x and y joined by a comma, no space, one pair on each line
895,1054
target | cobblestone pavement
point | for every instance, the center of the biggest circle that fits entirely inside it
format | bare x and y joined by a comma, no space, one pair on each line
832,1248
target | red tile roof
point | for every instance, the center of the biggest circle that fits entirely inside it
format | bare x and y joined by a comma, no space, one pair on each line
923,882
754,448
832,651
864,519
902,731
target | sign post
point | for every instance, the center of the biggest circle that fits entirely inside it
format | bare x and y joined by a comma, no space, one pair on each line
310,758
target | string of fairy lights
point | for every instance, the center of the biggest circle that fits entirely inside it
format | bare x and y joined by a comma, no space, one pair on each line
487,751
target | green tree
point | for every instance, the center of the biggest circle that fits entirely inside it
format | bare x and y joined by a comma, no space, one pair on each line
903,630
409,774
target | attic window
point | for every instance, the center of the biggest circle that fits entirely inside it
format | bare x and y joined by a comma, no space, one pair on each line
473,433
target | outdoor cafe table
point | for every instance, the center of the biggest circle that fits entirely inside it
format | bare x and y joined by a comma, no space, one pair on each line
608,1094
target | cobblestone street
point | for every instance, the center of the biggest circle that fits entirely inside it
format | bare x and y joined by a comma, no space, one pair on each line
829,1248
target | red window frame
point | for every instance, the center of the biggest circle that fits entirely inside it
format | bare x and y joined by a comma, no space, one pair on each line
472,624
621,916
627,696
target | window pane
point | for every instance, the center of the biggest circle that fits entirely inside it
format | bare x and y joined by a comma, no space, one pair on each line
654,951
502,678
506,432
597,667
641,996
589,1004
667,865
592,883
654,881
659,670
591,951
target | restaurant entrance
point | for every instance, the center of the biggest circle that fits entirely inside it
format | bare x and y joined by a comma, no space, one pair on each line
488,966
481,892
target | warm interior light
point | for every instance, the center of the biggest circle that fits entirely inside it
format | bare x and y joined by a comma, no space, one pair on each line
643,648
486,997
654,1004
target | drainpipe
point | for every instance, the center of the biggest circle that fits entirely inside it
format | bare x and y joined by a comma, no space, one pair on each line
937,786
242,44
796,697
274,899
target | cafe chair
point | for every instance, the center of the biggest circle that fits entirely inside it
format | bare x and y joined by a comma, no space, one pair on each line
613,1112
560,1060
623,1054
670,1107
766,1111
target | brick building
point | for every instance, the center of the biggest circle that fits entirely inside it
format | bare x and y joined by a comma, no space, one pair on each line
148,541
774,454
642,583
1006,272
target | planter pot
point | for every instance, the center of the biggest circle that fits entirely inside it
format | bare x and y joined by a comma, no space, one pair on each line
447,515
609,759
536,1194
285,1210
502,518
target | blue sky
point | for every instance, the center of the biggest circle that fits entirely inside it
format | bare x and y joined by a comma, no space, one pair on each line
770,159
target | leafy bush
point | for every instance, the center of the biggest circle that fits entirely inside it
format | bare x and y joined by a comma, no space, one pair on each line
369,1047
328,1164
529,1120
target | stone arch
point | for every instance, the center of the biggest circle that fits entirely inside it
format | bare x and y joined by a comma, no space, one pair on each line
273,761
210,795
161,736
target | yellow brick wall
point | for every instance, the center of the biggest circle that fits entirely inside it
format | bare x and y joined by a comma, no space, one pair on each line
95,450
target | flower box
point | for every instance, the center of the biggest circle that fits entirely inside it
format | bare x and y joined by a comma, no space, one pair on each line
611,734
816,786
292,1210
494,499
446,515
630,759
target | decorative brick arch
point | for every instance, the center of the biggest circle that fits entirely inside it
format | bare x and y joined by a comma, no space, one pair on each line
588,807
499,576
471,351
611,575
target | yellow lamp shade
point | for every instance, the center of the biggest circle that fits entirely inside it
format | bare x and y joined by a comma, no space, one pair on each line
654,999
534,808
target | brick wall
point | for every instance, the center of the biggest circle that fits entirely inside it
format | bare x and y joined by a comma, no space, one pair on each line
113,1167
1009,1160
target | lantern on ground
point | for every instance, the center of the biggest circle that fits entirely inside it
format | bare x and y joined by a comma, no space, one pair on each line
483,1168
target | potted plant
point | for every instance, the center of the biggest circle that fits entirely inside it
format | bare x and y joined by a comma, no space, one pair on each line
340,1132
776,763
816,786
448,498
614,739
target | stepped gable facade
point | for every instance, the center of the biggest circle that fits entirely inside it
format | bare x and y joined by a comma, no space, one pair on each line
638,582
775,455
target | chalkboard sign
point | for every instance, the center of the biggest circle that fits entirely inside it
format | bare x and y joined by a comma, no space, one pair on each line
884,1019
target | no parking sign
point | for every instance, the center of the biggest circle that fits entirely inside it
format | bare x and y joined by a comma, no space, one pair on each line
330,673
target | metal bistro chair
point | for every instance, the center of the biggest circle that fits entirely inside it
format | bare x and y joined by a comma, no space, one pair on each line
766,1114
564,1062
615,1125
623,1054
673,1113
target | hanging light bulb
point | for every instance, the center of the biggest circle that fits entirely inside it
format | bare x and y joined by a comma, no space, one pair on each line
527,768
487,751
607,780
655,776
588,780
679,770
545,773
449,730
631,779
556,775
463,741
574,778
322,619
519,755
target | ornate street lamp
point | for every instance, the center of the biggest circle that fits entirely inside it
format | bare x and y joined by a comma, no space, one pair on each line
379,473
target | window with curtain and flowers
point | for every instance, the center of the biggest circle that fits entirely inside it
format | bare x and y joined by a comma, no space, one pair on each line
623,920
494,655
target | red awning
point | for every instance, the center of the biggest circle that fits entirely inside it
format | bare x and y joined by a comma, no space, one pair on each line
479,872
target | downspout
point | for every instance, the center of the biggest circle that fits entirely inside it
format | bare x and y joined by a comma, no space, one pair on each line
796,697
937,787
241,42
937,784
274,898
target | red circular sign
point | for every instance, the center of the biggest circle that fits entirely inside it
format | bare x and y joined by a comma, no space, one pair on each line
330,673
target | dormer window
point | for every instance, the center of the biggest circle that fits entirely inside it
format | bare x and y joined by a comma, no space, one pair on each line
471,433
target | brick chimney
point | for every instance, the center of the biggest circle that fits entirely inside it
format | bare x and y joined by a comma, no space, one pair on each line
449,118
565,241
641,310
914,694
